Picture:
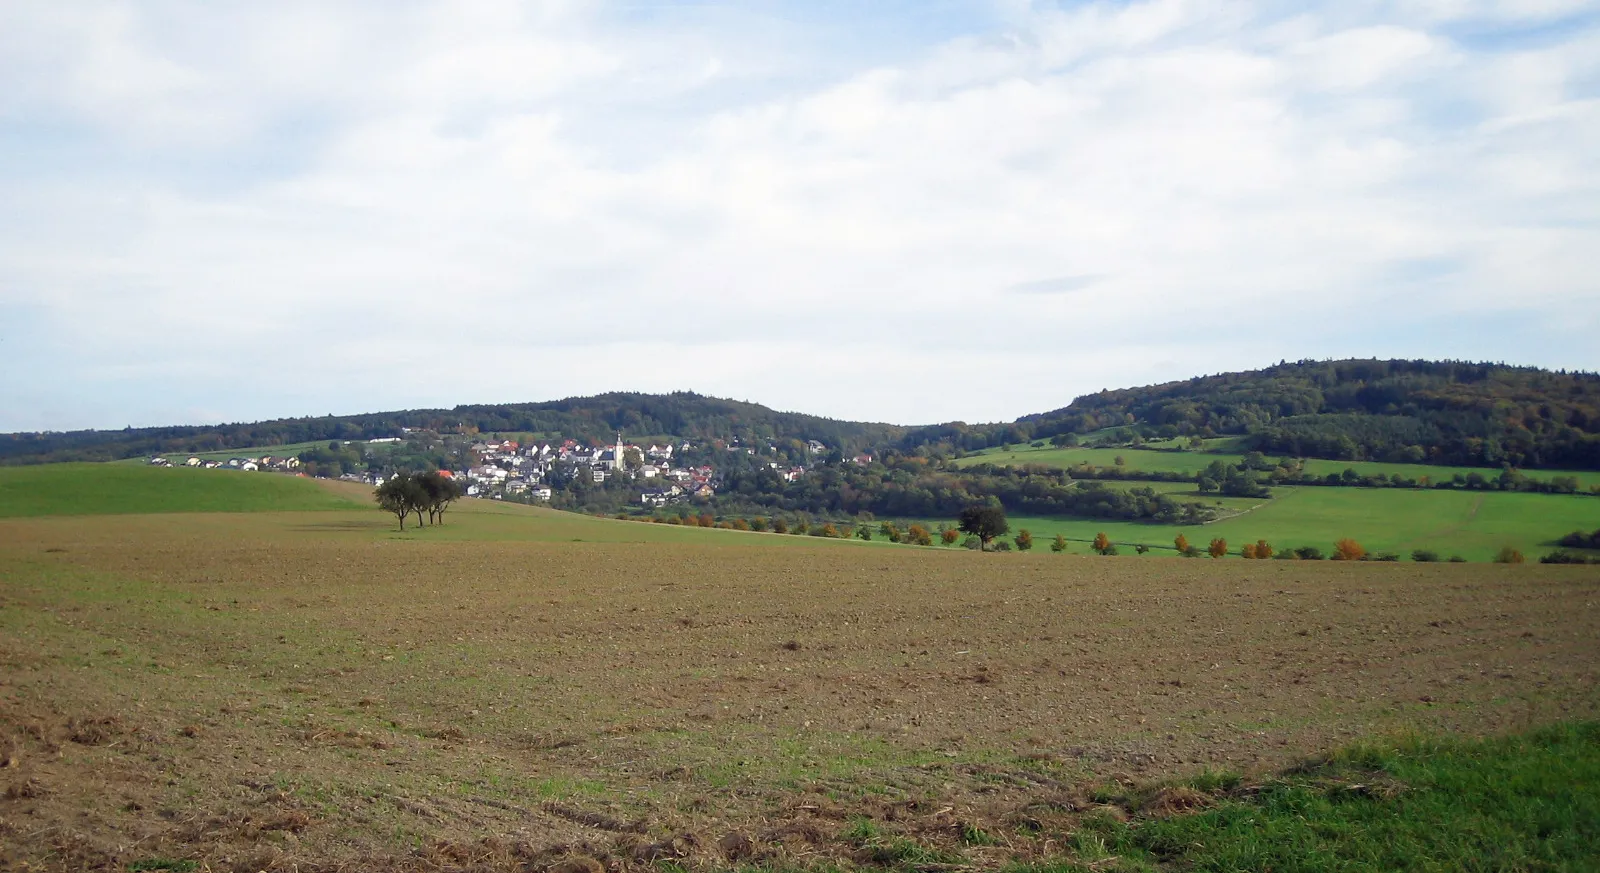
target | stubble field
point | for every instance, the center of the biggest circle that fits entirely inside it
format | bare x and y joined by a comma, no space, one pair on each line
306,691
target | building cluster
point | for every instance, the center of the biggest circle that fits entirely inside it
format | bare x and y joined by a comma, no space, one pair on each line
265,462
506,468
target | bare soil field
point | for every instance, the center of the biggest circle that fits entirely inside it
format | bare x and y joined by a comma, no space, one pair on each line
206,693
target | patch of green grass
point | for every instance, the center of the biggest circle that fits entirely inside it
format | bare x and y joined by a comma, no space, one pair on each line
144,864
1194,462
1474,525
111,489
1524,802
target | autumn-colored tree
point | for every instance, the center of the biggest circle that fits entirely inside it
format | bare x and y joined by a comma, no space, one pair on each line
889,531
1508,555
828,530
918,535
950,536
1181,544
741,524
708,520
1248,552
1024,540
1059,544
759,524
779,526
1102,543
1219,547
1263,550
1348,550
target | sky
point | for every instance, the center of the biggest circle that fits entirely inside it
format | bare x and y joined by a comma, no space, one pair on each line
896,211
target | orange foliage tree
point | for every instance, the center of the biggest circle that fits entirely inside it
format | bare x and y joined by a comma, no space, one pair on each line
1102,543
1348,550
1181,544
1219,547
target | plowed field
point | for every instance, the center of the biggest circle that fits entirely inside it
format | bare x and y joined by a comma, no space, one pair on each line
246,695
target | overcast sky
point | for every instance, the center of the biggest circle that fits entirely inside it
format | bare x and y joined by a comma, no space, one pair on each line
935,210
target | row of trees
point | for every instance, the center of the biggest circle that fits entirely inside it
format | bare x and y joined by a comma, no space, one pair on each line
423,494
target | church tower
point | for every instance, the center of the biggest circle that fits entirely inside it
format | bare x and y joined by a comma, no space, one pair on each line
617,453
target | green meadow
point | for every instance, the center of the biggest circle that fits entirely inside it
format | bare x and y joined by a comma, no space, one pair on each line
1474,525
1193,462
112,489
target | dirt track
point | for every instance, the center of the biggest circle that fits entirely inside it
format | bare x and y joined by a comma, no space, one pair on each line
273,702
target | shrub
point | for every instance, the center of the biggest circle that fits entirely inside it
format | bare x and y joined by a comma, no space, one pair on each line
1024,540
919,535
1508,555
1059,544
708,520
1002,546
950,535
1424,556
741,524
1219,547
1309,553
1181,544
828,530
1141,548
1387,556
779,526
1111,551
972,543
1457,559
1102,543
864,533
1192,552
1562,556
1348,550
759,524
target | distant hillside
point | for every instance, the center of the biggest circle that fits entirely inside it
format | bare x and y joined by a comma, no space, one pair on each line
1403,411
590,419
1462,414
96,489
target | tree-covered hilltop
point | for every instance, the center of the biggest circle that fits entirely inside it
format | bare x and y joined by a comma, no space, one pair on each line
1405,411
1453,413
593,420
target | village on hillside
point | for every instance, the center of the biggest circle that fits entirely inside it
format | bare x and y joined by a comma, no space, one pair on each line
507,469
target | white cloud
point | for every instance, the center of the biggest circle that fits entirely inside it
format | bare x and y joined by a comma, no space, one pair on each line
567,199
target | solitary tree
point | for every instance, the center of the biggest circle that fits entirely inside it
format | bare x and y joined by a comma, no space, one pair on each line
1348,550
440,491
950,535
402,495
1059,544
1219,547
985,522
918,535
1102,543
1181,544
1024,540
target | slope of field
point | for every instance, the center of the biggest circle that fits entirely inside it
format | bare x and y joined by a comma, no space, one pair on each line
98,489
1474,525
1191,463
281,691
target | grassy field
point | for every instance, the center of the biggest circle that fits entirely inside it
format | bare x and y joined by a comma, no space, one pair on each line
1191,463
315,691
98,489
1474,525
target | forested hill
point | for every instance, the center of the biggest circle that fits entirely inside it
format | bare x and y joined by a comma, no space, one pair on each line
1410,411
593,420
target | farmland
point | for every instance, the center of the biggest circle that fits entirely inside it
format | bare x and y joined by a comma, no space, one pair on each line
309,689
1474,525
1193,462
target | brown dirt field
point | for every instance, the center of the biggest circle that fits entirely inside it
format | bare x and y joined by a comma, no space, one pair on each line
250,697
